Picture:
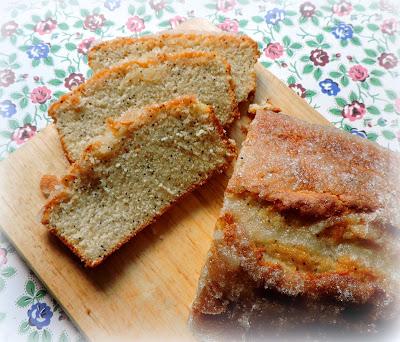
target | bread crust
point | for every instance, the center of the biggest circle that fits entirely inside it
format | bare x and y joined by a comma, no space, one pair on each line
48,184
314,181
124,129
189,57
360,284
158,41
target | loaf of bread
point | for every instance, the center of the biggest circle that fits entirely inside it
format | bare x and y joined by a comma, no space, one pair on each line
144,162
309,231
80,115
240,51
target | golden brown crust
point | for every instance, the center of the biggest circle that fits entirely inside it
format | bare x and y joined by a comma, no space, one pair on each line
158,41
67,154
344,276
61,196
125,127
48,184
132,121
316,170
223,283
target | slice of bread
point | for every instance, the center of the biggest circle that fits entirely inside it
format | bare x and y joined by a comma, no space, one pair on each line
309,231
143,164
240,51
81,114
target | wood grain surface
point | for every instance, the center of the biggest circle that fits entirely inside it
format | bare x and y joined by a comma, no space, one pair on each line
144,291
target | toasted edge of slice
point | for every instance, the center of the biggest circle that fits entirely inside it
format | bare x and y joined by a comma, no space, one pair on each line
48,184
111,144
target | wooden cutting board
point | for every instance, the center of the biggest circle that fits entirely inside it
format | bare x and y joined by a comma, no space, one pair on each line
145,290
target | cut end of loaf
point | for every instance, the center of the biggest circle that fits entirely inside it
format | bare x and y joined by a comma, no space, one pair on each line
145,162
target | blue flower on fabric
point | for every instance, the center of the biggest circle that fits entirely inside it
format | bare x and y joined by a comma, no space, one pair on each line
7,109
274,16
39,315
112,4
38,51
329,87
361,134
342,31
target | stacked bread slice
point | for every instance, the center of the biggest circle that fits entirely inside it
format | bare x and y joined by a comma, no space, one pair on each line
146,129
240,51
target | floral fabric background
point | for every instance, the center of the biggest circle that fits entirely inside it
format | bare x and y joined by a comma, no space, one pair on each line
342,57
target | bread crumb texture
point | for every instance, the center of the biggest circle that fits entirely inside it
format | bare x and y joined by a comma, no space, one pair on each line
80,115
133,173
240,51
310,213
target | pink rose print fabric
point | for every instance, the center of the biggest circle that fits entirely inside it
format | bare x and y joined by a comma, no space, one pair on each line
40,95
298,89
358,73
319,57
388,60
225,5
273,50
9,28
85,45
135,24
389,26
7,77
354,111
3,256
175,21
45,26
229,25
23,134
73,80
94,22
342,8
307,9
397,105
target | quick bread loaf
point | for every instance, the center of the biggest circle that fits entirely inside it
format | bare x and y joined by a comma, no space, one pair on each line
309,231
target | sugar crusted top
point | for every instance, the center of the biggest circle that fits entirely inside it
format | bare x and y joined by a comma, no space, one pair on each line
316,169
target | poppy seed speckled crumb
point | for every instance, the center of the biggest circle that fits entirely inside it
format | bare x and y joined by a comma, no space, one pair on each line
80,115
144,162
